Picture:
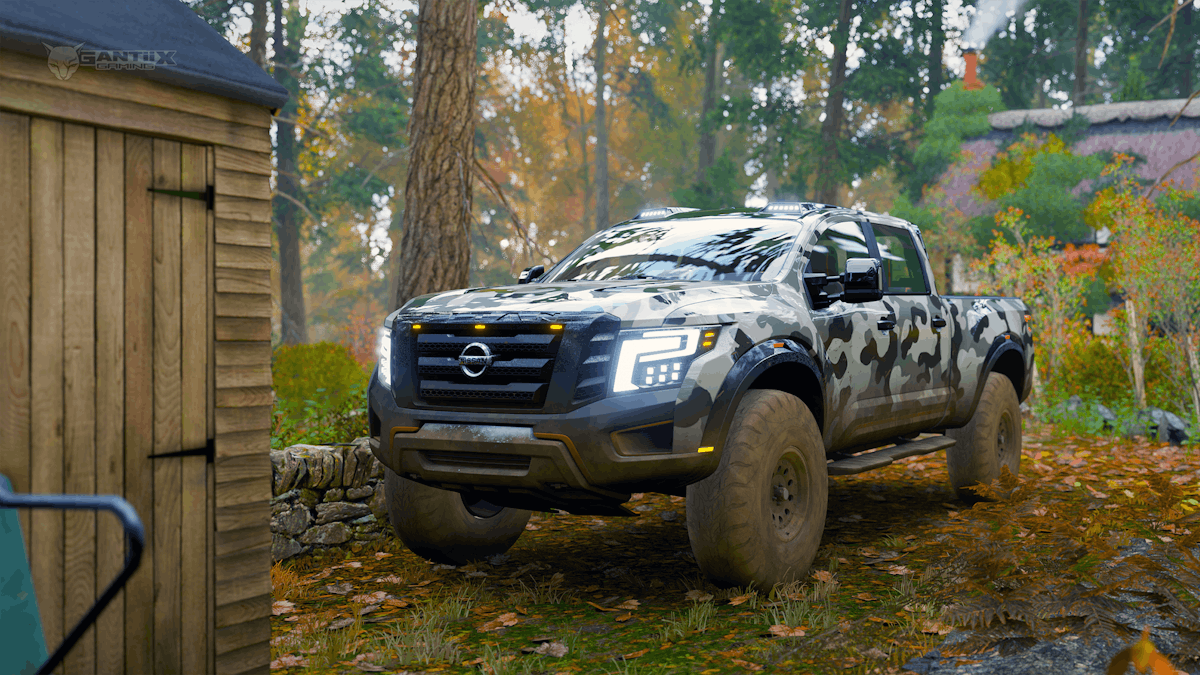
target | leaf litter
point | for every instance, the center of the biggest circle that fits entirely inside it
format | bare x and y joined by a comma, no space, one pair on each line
1097,539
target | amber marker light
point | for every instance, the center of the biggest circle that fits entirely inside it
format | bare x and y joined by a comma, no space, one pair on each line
709,334
707,448
556,326
416,326
479,326
708,343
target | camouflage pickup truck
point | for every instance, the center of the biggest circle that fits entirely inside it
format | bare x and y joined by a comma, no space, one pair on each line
739,357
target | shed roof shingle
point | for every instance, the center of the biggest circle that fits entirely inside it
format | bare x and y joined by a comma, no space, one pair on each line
204,60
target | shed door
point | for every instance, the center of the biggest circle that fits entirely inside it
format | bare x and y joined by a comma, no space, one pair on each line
105,361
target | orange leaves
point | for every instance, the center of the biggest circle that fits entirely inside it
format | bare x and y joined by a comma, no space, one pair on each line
780,630
503,621
1144,658
698,596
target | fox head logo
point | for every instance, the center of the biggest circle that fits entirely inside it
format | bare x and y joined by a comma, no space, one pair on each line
63,61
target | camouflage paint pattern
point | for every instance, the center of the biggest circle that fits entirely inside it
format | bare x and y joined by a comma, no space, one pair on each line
878,382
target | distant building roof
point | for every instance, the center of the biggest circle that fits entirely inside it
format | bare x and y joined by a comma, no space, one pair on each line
1137,111
204,60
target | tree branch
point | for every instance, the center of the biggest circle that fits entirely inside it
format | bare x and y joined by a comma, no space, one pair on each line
297,202
494,188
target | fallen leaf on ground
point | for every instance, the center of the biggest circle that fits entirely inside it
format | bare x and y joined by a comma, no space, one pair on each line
932,627
503,621
602,609
623,617
629,604
823,576
340,589
390,579
531,527
739,600
341,623
875,653
556,649
282,607
780,630
369,598
865,597
747,665
396,602
699,596
380,555
898,569
289,661
421,584
634,655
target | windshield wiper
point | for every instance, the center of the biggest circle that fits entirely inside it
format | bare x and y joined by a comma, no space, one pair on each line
636,276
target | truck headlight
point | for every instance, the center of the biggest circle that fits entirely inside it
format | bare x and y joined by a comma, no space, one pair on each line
659,358
385,357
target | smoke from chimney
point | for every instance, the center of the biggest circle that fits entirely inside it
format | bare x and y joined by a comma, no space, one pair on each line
989,17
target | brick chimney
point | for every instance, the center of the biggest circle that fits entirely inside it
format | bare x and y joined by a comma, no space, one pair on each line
970,81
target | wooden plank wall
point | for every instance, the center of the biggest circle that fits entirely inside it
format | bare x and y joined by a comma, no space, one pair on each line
242,356
176,320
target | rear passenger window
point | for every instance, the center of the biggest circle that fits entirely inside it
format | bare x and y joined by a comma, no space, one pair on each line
902,269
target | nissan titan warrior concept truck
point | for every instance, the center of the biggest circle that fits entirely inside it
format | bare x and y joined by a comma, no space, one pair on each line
736,357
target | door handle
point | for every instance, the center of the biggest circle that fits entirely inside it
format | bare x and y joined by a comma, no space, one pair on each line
886,323
939,322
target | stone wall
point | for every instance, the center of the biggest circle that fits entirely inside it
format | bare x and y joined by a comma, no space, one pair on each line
326,496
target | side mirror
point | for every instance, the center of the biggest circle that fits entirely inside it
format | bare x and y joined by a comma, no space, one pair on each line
530,273
863,280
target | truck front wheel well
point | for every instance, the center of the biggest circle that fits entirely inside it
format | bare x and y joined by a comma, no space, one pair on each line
796,380
1010,365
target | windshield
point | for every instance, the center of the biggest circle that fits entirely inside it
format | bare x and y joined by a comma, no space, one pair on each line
699,249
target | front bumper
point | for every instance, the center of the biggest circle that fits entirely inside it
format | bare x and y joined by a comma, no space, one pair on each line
584,461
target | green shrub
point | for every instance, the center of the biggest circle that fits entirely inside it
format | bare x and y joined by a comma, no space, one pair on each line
320,395
325,373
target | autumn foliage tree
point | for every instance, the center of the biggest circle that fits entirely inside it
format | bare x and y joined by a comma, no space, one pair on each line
1155,256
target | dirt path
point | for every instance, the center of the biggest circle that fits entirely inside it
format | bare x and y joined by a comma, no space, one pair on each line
580,594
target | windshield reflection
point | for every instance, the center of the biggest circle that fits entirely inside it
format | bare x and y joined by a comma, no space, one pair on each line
687,249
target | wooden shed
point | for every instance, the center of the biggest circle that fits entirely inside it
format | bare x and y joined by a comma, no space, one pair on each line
135,304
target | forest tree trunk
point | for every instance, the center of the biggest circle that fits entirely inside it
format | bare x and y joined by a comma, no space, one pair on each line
1187,65
937,42
258,34
1137,362
829,168
434,250
1081,56
294,327
708,102
601,49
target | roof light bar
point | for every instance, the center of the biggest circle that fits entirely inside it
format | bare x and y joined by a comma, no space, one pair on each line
790,207
661,212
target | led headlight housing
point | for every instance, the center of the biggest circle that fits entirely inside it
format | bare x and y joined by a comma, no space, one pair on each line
385,357
658,358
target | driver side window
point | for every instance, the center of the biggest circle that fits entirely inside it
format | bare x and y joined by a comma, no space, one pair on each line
837,243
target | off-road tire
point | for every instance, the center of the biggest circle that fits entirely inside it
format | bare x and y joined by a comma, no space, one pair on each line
743,530
436,525
991,439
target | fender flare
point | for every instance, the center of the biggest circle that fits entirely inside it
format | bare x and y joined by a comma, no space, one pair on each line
757,360
1004,343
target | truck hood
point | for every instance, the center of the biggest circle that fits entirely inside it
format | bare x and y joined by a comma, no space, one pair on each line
643,300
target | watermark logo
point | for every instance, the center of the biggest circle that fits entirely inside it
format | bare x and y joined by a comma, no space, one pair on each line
65,60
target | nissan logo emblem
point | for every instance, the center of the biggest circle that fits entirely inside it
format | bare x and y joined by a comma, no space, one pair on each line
475,359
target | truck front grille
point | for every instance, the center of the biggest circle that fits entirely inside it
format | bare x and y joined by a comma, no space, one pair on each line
522,362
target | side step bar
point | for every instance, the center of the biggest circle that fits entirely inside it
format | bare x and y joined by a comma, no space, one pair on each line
878,458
